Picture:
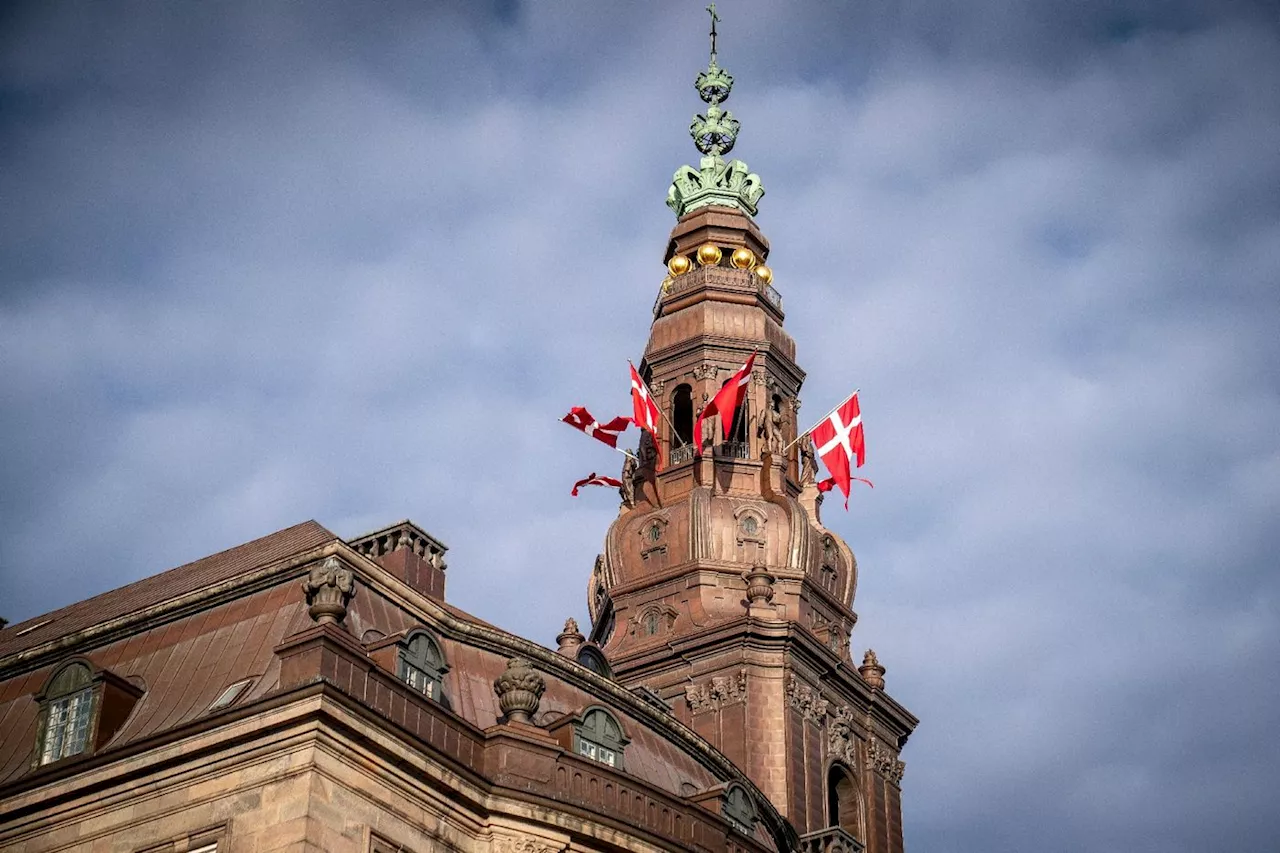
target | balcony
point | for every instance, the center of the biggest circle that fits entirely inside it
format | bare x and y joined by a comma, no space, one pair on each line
833,839
732,450
681,455
719,279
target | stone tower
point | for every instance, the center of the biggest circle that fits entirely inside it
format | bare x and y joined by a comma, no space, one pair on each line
719,587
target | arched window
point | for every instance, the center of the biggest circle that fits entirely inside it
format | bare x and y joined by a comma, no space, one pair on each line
844,806
422,665
599,737
682,414
738,432
67,714
594,660
738,809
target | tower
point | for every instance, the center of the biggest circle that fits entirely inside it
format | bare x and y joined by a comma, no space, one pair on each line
719,587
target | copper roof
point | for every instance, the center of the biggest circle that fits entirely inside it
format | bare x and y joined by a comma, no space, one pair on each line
162,587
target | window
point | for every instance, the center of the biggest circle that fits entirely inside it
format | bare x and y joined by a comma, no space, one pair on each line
844,806
737,808
422,665
231,694
682,414
594,660
68,714
599,737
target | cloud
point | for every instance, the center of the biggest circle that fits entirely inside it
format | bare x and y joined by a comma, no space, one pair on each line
263,264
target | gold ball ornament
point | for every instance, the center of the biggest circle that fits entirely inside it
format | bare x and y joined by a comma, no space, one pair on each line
679,265
743,258
709,254
666,284
766,274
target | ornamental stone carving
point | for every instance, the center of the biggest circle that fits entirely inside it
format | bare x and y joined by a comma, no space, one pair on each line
704,371
525,844
806,700
329,587
884,761
721,690
519,690
871,671
570,639
841,741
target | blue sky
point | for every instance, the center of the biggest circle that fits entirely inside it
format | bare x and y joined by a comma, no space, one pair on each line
267,262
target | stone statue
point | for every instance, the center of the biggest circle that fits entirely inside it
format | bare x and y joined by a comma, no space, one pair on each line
628,487
808,462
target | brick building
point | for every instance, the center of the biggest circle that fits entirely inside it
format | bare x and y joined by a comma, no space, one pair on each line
304,692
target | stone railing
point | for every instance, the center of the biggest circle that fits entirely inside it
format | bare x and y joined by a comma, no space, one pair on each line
680,455
732,450
719,278
406,534
833,839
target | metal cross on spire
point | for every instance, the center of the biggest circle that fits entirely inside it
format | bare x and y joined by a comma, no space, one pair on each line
714,17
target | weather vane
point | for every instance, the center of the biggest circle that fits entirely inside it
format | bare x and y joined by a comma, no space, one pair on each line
714,17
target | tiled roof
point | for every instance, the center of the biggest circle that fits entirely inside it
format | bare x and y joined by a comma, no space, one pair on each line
162,587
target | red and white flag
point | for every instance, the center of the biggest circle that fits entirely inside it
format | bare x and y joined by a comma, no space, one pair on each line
580,418
725,403
840,444
593,480
646,410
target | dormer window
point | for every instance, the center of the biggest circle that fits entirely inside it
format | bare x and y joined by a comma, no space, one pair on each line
737,808
599,737
422,665
68,714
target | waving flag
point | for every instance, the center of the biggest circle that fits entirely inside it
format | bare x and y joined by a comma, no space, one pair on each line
839,442
646,410
725,402
593,480
580,418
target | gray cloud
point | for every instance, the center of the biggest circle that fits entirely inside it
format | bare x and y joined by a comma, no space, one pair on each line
263,264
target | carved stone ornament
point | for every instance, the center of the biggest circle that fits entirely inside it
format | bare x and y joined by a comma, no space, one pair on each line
721,690
519,690
884,761
841,742
759,585
524,844
806,700
871,671
704,371
570,639
329,587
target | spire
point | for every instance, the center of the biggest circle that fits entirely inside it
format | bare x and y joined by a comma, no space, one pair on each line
714,133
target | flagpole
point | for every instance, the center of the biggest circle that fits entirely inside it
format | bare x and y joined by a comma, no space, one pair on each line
820,420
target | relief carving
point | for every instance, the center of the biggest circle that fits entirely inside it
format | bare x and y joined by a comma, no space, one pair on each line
721,690
704,371
841,742
806,700
525,844
884,761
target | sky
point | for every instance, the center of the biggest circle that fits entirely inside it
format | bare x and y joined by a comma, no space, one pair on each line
266,262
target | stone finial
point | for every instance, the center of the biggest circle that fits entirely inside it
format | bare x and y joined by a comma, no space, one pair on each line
570,639
329,586
519,690
871,670
760,593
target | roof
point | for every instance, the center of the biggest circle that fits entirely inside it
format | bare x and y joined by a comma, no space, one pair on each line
153,590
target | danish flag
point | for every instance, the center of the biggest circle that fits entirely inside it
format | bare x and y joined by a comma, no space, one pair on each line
839,441
726,402
593,480
646,410
580,418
